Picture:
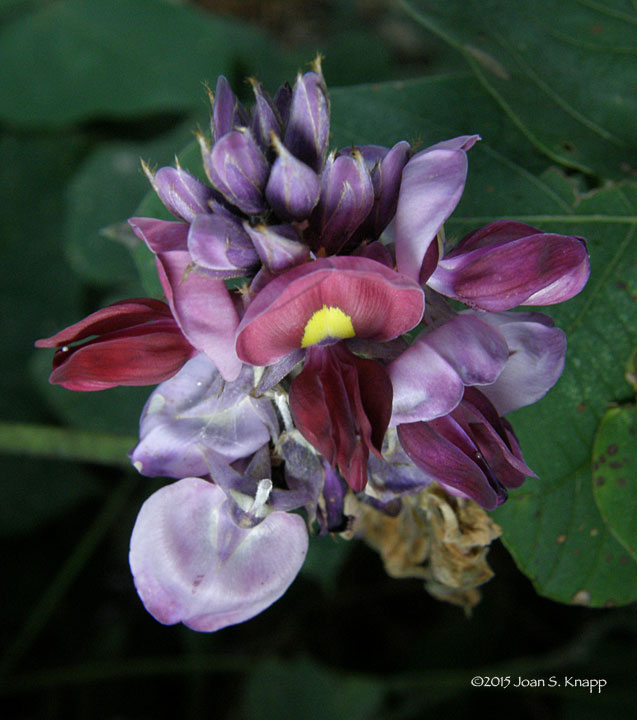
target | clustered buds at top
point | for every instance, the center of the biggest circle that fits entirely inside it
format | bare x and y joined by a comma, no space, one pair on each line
325,358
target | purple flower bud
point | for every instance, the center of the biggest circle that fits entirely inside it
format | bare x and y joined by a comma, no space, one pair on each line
386,178
293,187
238,169
308,127
219,244
506,264
346,198
278,247
265,119
227,112
282,101
181,193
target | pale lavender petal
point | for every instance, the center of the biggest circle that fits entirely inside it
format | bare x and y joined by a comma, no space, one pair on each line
192,564
220,244
203,308
181,192
535,363
432,183
196,411
430,376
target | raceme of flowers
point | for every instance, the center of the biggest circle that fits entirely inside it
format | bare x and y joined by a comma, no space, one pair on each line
337,381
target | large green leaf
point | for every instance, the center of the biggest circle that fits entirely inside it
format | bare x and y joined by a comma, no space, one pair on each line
75,60
564,75
615,474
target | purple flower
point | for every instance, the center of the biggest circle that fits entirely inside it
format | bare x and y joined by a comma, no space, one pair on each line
321,353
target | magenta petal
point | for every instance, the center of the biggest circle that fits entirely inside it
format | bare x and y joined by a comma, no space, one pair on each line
119,315
140,355
432,183
381,303
192,564
535,363
439,458
430,376
204,310
539,269
161,235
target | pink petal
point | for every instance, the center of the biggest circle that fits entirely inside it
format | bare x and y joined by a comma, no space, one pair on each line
381,303
203,308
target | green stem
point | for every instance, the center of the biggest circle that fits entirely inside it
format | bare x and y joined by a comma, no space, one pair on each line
65,444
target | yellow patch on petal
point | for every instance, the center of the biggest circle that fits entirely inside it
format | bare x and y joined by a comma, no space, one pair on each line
328,322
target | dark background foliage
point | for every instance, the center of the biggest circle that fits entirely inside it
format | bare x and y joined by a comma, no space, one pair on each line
91,86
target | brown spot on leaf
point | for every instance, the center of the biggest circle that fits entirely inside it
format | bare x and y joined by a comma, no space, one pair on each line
600,480
581,407
612,449
616,465
560,539
594,532
610,603
608,557
623,560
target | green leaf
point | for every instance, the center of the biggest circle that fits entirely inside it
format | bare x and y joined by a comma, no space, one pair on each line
76,60
552,525
564,78
102,195
615,474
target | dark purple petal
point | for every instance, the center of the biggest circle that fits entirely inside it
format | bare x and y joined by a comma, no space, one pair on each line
192,564
265,118
308,126
293,187
342,404
539,269
432,183
429,378
278,247
386,174
346,199
197,411
496,233
181,192
238,170
451,467
221,245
